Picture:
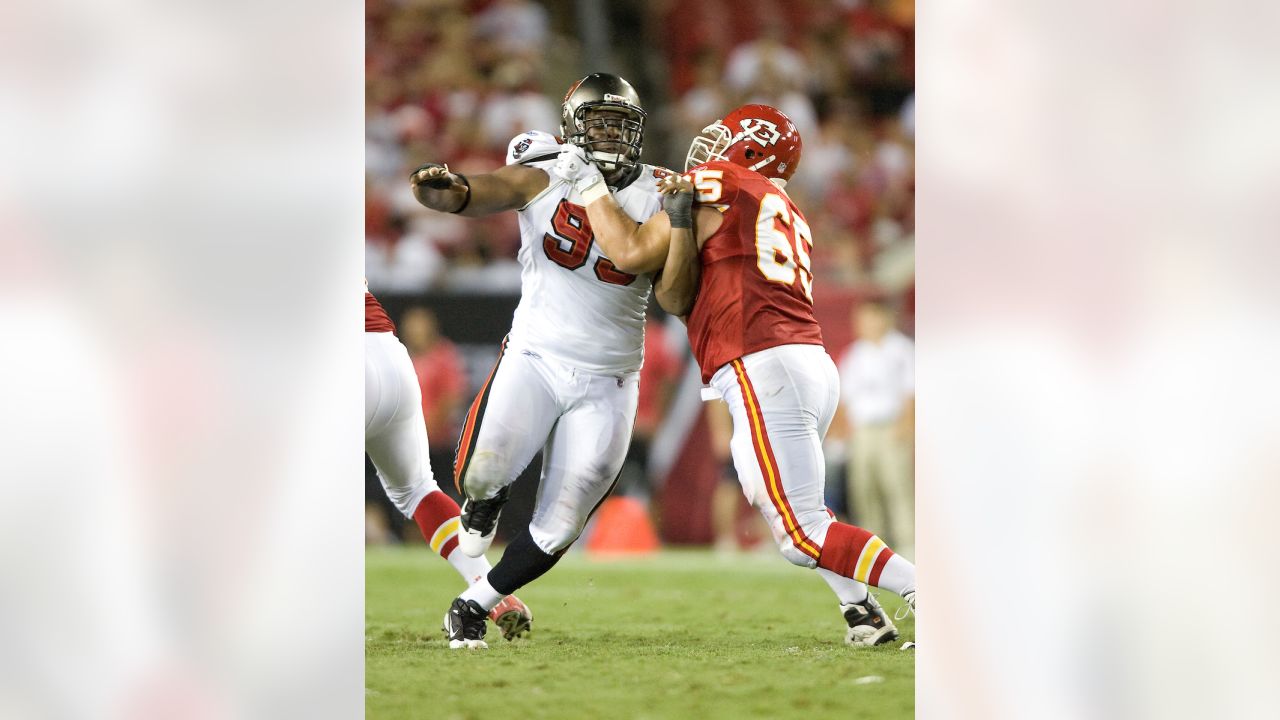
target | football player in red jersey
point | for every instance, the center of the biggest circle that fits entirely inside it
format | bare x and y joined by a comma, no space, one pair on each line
737,268
395,437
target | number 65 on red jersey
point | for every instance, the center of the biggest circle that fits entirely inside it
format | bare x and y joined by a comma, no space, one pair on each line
756,289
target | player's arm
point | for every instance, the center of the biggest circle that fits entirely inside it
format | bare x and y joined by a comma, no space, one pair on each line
510,187
677,285
632,247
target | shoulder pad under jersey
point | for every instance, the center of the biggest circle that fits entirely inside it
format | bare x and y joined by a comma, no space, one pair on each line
531,147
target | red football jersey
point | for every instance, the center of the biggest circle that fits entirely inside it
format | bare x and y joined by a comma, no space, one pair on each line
756,290
375,318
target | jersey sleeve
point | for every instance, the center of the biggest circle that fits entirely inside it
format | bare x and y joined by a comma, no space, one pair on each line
532,147
717,184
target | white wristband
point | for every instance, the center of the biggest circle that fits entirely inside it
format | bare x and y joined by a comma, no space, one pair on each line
595,191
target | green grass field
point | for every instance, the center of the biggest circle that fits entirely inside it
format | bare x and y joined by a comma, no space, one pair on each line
678,635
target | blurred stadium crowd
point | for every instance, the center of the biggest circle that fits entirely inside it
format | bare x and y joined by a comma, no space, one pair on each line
454,80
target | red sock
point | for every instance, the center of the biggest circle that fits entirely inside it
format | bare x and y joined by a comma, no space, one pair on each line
437,518
854,553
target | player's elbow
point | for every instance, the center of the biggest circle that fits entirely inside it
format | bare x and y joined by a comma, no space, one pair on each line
633,259
674,303
632,263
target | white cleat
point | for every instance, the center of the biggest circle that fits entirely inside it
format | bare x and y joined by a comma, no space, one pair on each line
480,522
472,543
869,625
904,611
908,609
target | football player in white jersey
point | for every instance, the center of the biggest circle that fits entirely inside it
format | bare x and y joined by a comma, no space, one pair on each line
567,375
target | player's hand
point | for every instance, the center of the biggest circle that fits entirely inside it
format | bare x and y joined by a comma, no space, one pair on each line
677,200
674,183
570,163
436,177
573,166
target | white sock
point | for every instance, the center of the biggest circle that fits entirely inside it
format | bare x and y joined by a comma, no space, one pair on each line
898,575
483,593
473,570
846,589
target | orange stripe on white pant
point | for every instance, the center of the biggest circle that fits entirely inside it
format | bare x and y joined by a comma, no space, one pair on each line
469,428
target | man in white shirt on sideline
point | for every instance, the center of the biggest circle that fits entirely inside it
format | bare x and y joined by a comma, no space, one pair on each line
877,381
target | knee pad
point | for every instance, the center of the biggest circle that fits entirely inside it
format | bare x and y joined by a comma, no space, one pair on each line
487,473
814,526
553,536
795,555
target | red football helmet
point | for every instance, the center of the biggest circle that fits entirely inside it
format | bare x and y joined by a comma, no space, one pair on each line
757,137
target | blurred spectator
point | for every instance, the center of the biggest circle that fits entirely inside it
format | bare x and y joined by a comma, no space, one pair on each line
737,525
659,376
516,106
877,381
442,376
706,101
894,266
477,270
408,263
515,27
876,50
775,90
765,55
907,116
828,151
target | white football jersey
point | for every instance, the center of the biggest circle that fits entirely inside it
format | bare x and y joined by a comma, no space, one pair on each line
574,305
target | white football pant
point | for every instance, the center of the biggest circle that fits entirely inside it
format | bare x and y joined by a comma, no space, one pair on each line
782,401
581,421
395,433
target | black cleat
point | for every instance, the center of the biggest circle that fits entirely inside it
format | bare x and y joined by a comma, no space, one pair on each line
464,624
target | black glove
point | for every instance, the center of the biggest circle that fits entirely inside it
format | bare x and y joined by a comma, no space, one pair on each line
679,207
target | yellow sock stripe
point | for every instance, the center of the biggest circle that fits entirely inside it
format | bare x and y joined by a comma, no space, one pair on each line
444,532
772,484
868,558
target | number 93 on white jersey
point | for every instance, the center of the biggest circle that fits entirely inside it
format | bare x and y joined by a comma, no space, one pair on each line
575,306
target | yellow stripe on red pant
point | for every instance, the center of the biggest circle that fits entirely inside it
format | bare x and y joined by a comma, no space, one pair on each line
769,464
442,534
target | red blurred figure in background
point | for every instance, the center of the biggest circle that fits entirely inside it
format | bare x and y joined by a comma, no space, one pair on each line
441,374
659,377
